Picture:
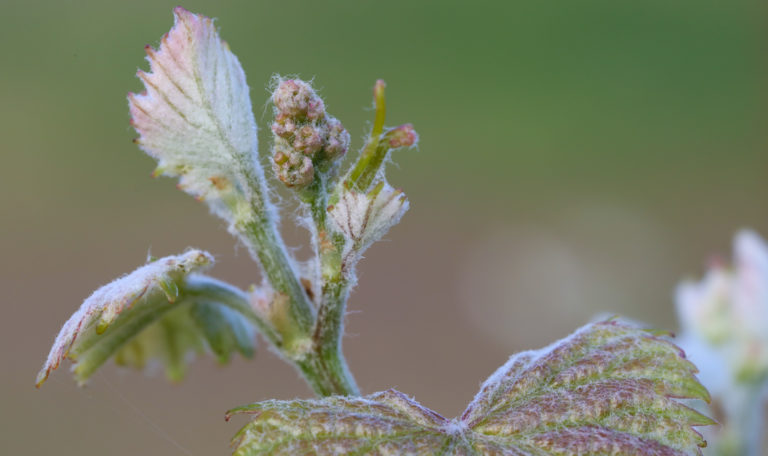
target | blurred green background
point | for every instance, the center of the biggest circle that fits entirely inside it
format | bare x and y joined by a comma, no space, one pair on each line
575,158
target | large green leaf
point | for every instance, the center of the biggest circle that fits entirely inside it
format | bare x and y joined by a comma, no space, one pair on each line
608,389
153,313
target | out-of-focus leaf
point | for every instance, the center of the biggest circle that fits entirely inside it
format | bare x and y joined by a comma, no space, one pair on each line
146,314
170,339
608,389
724,329
195,118
225,330
190,328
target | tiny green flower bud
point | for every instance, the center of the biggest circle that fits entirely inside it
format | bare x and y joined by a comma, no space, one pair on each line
315,109
337,141
402,136
296,98
284,126
290,166
280,158
309,140
299,173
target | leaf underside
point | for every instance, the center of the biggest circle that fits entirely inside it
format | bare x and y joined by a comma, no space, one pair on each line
189,328
195,116
608,389
146,315
364,218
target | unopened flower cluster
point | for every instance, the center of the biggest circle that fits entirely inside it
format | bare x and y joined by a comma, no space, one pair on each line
306,136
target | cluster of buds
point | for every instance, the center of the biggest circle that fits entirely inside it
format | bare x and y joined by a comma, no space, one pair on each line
305,135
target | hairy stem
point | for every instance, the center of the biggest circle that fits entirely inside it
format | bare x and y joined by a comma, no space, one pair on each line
291,325
325,371
328,375
327,357
257,226
327,368
278,268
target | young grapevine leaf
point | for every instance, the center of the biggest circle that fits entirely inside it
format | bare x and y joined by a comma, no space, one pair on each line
189,327
608,389
195,118
363,218
387,422
148,314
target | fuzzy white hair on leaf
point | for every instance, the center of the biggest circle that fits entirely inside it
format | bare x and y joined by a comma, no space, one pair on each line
363,218
195,118
103,308
610,388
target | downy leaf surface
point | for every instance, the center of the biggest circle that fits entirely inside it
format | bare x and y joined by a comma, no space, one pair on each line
195,119
608,389
146,315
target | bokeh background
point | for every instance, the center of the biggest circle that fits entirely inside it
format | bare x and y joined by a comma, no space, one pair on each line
575,158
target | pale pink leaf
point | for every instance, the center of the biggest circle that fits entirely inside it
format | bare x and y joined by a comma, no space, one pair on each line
195,117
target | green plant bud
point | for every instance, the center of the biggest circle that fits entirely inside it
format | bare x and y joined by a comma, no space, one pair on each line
309,140
336,141
284,126
296,98
293,168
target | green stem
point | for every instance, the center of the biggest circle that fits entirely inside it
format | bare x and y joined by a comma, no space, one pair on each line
327,368
280,272
312,344
362,174
328,375
257,227
256,223
328,335
292,324
325,371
